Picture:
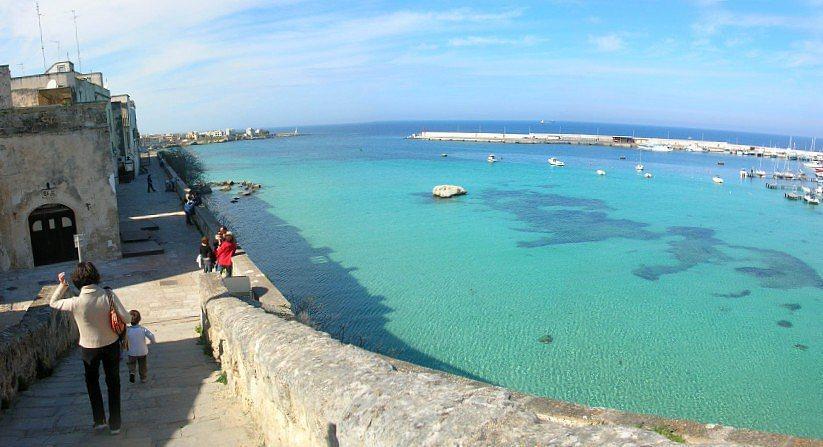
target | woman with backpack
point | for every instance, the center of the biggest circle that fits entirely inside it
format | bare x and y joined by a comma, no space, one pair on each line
99,316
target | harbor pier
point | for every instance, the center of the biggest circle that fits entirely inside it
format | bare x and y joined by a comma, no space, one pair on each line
654,144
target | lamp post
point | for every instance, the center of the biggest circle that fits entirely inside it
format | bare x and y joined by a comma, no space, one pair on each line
79,238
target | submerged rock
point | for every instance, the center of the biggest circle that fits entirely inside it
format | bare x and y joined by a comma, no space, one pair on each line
446,191
546,339
791,306
801,347
784,323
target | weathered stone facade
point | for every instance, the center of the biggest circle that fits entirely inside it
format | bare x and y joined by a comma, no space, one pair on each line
5,87
126,136
30,349
57,155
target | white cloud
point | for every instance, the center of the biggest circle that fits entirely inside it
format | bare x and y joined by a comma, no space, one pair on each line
472,41
607,43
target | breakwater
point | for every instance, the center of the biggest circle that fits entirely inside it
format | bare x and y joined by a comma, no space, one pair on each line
621,141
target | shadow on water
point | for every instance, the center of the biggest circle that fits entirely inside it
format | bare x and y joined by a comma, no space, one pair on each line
335,300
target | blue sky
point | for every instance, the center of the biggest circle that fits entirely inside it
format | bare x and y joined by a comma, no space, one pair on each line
198,64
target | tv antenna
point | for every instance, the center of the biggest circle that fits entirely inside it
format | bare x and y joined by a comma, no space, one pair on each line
58,48
77,41
40,26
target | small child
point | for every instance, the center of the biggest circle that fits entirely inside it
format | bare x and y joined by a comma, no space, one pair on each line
138,350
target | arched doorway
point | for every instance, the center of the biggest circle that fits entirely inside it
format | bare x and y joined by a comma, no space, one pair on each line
52,228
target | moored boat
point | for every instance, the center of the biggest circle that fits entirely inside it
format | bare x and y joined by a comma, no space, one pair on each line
555,162
717,179
600,172
491,158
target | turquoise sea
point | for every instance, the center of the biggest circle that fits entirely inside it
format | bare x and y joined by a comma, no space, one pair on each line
672,295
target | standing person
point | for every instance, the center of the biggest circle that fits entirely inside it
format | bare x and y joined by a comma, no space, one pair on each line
188,209
149,185
98,341
224,253
138,350
207,255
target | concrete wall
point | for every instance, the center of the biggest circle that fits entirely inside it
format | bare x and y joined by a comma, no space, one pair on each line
30,349
68,147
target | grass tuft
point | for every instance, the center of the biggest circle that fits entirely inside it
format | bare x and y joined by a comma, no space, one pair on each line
669,433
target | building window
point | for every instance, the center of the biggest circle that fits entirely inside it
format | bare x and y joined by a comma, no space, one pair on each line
52,224
37,225
66,222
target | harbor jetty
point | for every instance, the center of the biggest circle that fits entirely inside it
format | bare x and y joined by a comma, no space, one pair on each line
654,144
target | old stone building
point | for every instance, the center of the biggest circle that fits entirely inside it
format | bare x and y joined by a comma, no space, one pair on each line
126,136
57,179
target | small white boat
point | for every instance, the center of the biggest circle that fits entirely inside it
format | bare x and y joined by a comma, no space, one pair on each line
647,175
555,162
491,158
600,172
639,167
744,173
717,179
811,200
660,148
444,155
760,173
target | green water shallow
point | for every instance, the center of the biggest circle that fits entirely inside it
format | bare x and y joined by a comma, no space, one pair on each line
661,295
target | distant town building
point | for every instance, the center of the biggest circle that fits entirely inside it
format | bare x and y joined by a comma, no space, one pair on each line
127,137
57,171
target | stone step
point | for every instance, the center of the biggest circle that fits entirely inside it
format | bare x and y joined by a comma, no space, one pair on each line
135,235
136,225
141,248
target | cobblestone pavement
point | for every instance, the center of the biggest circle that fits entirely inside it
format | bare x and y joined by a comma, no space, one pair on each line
182,403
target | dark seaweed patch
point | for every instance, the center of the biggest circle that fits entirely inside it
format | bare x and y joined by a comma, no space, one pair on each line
695,246
564,219
781,270
791,306
784,323
801,347
546,339
740,294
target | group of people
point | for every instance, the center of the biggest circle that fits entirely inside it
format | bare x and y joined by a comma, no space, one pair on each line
217,256
101,318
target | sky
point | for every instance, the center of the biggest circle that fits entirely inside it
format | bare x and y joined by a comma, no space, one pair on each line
201,64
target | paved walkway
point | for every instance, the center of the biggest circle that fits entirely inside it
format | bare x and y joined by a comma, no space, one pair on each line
182,404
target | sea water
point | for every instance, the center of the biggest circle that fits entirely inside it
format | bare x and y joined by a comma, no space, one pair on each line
672,295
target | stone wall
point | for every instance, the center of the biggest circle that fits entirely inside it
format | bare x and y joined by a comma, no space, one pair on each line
57,155
5,87
30,349
307,389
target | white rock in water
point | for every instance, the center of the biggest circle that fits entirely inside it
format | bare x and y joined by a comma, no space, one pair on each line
446,191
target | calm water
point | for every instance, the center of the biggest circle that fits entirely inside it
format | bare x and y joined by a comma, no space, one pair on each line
672,296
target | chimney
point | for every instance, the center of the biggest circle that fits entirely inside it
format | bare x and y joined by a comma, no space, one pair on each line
5,87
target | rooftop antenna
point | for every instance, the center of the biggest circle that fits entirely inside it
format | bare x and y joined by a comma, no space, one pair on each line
77,41
40,26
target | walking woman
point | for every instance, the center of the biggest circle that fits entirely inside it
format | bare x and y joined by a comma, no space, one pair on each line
224,253
98,341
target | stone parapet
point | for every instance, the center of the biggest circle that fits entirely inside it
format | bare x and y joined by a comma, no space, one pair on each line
30,349
53,119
